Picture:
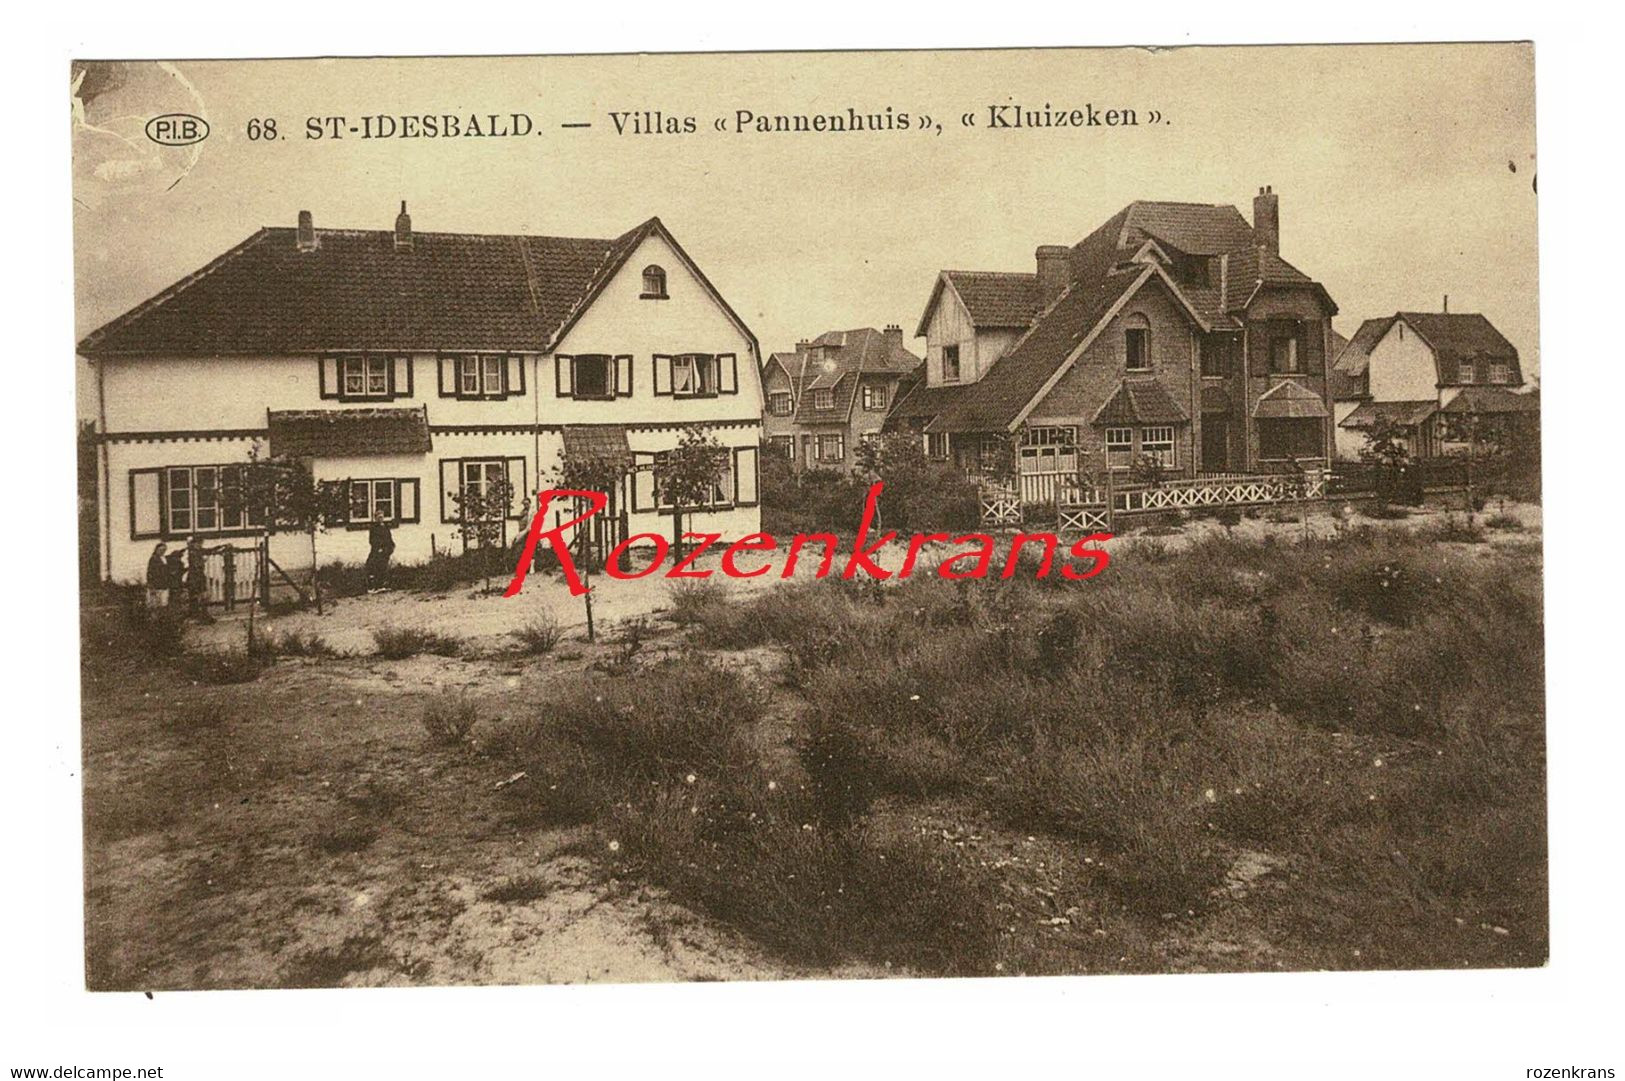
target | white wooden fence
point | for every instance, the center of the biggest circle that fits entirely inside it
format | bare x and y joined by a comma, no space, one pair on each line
1080,507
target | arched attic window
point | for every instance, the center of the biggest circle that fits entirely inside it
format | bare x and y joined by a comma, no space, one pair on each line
654,283
1136,343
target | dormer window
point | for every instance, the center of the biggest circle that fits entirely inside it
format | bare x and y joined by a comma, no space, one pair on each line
654,283
823,398
1500,372
1466,373
950,364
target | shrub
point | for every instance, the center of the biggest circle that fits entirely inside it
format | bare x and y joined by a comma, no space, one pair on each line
398,643
539,635
298,644
1508,522
692,600
449,718
519,889
228,666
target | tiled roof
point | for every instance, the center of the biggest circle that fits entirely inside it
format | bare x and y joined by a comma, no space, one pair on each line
356,291
993,403
1354,356
1492,400
921,402
1461,335
845,356
996,299
597,443
1193,228
1289,399
1103,270
1140,401
348,433
1408,413
1344,386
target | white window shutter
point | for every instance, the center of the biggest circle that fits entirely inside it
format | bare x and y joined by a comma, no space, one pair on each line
448,377
728,375
515,376
564,376
451,484
745,476
662,372
330,377
146,503
623,377
518,488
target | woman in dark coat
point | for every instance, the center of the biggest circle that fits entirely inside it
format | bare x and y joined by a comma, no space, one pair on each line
158,578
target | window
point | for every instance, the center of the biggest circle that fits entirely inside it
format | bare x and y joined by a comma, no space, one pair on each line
1284,355
1049,449
1500,372
1158,442
832,448
823,398
479,476
383,500
722,488
779,403
1466,372
1137,344
481,377
936,445
950,364
784,445
874,398
205,499
1280,438
1119,447
364,377
695,375
1217,350
654,283
594,376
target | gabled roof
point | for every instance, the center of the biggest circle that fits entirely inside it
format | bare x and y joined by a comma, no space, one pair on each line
1140,401
1193,228
1452,336
993,299
602,443
921,403
996,401
347,433
1354,356
354,291
1343,386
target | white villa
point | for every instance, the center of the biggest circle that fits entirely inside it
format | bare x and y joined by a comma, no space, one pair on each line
411,367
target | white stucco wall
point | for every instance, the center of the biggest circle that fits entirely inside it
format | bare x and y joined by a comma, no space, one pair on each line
1402,367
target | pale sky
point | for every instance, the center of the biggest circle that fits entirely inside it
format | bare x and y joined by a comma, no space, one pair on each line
1404,172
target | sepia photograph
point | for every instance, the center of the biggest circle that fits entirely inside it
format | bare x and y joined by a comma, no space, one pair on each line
809,516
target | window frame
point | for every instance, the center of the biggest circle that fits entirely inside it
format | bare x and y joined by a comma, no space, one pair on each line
480,367
1166,449
875,398
958,371
608,362
247,522
1501,369
839,439
1270,425
1123,446
691,363
1143,336
775,398
654,283
823,398
931,438
1278,334
1467,372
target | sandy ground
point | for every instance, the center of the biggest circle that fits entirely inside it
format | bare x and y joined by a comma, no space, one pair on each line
486,618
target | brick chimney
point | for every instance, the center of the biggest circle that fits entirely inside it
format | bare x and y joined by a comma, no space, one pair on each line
1267,219
894,338
403,229
1054,272
307,231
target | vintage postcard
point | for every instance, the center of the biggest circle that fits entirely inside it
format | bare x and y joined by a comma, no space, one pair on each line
552,519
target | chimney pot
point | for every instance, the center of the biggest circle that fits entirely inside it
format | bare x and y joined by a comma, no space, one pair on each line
403,229
894,337
1267,219
307,232
1054,271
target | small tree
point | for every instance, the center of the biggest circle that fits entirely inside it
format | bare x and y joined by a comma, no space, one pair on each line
294,501
688,475
1149,470
481,520
589,473
1387,446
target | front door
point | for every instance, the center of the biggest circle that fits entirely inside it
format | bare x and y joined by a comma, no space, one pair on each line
1215,445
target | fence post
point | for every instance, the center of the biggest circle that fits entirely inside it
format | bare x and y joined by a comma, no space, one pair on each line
230,574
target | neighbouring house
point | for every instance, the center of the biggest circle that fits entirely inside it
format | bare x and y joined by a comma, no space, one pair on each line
1417,372
832,393
1174,332
414,367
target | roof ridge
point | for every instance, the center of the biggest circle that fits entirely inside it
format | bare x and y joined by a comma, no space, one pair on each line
351,232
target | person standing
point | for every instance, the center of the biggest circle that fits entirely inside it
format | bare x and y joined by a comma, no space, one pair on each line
380,546
158,578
